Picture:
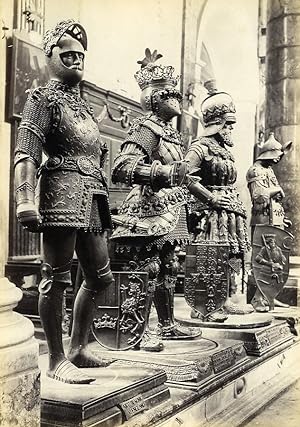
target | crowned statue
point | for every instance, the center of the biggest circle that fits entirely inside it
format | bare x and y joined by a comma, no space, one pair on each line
152,220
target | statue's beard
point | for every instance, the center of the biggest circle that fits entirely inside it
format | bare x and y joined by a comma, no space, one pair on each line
226,137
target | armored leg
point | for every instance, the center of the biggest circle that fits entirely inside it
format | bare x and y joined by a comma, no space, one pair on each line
92,252
149,262
164,299
58,251
234,304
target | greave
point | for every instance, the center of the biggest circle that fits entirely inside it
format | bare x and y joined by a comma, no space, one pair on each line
50,310
164,304
83,312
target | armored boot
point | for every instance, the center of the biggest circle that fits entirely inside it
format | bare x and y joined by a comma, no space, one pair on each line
52,286
281,304
259,303
218,316
167,328
151,341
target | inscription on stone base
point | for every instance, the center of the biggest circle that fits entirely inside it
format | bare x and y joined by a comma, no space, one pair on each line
266,339
223,360
133,406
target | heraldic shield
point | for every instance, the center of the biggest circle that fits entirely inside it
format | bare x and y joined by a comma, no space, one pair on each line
206,285
122,311
270,260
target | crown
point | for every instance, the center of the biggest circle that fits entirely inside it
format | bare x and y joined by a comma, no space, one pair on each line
218,106
105,321
152,74
74,29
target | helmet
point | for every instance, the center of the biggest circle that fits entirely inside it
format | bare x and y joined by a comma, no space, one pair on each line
272,149
155,77
217,109
66,36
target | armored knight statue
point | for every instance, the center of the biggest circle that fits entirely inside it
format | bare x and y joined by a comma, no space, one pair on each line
267,196
73,211
152,220
218,216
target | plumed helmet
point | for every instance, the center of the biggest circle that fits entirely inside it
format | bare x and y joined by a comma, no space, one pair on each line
154,76
66,36
217,109
272,149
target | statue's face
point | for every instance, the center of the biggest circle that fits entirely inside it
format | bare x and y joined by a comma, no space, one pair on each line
225,134
167,103
271,242
66,63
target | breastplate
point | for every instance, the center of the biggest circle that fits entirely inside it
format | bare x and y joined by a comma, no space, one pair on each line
168,152
218,171
76,133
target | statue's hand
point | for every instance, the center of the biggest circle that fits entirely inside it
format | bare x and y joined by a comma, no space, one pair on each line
277,266
28,216
221,201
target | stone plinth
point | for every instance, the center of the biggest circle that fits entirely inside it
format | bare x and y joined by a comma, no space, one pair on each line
260,333
19,372
118,395
189,363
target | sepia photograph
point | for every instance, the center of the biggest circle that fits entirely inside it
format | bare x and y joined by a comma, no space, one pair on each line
149,213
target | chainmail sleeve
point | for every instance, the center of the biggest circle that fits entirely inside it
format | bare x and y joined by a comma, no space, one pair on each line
33,129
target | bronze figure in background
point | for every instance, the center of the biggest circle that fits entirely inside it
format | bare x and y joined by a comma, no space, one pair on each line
267,210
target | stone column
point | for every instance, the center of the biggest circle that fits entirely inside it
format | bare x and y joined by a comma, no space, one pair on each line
283,100
19,372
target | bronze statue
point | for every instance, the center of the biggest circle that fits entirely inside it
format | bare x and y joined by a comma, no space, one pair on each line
267,209
152,220
218,216
73,211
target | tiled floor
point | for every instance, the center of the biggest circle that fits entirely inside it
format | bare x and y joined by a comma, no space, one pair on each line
282,412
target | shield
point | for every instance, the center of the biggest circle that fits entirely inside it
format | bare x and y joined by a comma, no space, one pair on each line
121,315
270,260
206,285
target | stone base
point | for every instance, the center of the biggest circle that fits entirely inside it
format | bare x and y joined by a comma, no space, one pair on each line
117,395
257,331
235,401
188,363
20,385
291,315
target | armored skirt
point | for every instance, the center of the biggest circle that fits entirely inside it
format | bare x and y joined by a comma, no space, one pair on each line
150,219
218,174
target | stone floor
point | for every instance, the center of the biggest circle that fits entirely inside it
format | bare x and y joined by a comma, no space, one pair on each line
282,412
